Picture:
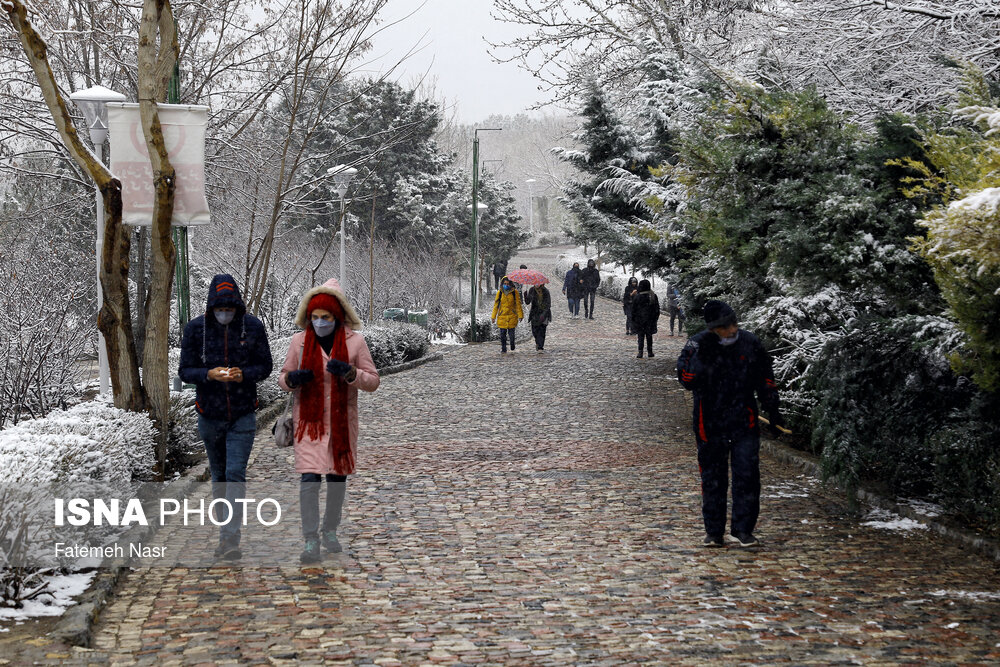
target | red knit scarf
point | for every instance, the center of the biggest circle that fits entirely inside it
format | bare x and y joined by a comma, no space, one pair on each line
311,395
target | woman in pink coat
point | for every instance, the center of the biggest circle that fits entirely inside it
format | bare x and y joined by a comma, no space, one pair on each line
327,363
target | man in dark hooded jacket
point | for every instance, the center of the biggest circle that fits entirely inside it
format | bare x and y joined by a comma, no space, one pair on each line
591,281
225,353
725,366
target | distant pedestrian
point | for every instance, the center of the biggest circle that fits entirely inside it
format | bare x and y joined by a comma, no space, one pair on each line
591,281
725,366
674,309
631,289
645,313
499,271
327,364
573,289
224,354
540,315
507,312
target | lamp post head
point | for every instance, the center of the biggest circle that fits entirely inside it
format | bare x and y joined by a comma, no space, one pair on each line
342,175
480,206
530,181
93,102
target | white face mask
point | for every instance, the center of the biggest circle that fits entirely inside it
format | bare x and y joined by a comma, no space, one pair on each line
729,341
224,317
324,327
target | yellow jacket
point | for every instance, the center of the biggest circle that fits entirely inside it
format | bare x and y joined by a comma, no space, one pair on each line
507,311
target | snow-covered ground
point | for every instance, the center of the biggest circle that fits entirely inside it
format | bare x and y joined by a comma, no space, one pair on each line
62,588
886,520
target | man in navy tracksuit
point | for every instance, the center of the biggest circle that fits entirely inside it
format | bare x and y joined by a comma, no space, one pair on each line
225,353
725,366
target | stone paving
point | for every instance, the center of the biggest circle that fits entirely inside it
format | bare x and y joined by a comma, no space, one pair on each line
543,509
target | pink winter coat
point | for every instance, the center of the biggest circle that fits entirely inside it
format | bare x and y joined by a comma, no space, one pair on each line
314,456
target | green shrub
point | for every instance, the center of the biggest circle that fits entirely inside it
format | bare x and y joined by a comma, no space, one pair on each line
967,462
880,388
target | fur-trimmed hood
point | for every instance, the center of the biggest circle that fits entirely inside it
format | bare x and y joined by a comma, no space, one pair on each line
331,287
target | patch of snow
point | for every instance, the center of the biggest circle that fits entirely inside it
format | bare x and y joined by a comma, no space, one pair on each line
885,520
62,589
923,507
448,339
977,596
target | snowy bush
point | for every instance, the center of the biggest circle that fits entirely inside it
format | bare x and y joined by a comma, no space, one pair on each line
967,463
485,328
392,343
93,441
881,390
796,330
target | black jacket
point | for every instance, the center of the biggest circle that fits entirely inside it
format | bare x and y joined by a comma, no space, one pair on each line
645,312
628,297
724,380
207,344
573,284
591,278
541,308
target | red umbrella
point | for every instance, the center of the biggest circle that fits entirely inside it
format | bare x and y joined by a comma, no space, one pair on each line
528,277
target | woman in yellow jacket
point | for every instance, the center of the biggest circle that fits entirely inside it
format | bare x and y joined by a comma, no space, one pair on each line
507,312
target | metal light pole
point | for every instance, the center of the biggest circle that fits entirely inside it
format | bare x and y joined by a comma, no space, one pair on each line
475,224
92,102
531,208
342,175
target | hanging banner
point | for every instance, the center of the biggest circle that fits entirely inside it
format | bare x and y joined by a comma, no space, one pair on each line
184,132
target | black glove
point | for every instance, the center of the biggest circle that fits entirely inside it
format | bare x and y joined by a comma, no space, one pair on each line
777,423
298,377
337,367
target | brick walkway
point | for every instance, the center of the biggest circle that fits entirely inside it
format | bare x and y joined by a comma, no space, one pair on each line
544,509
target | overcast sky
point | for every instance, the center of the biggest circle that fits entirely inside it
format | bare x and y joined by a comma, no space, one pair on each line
448,36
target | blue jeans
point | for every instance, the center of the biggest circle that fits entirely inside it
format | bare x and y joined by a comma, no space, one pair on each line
228,446
742,453
504,333
574,305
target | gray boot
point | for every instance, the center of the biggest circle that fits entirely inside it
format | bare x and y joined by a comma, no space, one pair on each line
309,506
335,493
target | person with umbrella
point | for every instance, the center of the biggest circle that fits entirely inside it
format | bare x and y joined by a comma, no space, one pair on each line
507,312
539,299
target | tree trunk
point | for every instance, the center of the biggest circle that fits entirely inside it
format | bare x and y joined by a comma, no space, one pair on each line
114,320
155,68
140,292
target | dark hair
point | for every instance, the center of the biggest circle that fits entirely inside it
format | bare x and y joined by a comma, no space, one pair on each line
644,285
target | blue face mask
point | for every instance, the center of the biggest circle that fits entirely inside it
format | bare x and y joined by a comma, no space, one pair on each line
506,288
324,327
224,317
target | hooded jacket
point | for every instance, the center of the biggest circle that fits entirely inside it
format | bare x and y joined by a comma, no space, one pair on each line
507,311
591,276
313,455
242,343
645,312
724,379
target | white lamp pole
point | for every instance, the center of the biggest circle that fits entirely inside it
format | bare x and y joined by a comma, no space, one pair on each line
342,175
93,102
531,208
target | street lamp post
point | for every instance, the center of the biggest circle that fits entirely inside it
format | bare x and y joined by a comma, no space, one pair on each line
531,208
342,175
93,102
475,224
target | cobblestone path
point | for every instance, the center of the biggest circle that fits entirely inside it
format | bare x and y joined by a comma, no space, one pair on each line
544,509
